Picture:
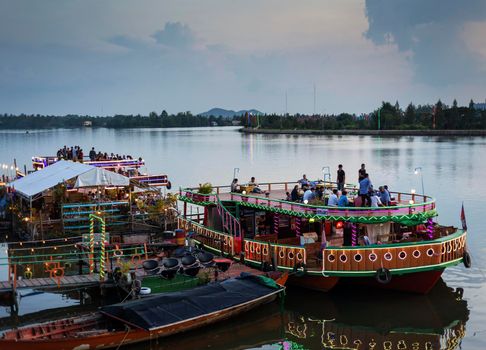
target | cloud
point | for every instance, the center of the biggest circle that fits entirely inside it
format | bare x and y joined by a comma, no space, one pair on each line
432,33
175,34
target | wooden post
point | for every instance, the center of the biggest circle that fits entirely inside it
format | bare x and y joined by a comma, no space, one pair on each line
145,250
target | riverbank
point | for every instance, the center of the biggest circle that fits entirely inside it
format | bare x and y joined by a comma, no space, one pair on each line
342,132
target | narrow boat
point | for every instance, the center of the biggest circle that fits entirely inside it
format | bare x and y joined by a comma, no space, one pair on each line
148,318
399,246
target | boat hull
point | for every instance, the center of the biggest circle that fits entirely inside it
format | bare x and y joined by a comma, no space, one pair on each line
114,339
319,283
417,282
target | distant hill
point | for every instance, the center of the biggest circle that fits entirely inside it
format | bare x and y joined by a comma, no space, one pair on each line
225,113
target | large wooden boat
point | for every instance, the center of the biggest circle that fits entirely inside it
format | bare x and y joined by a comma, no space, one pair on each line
148,318
404,248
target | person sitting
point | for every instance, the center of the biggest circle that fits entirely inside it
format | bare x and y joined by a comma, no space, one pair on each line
333,198
234,186
375,200
304,182
288,197
309,195
343,200
294,195
384,196
254,185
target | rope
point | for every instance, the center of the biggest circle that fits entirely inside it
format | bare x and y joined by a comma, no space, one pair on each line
119,345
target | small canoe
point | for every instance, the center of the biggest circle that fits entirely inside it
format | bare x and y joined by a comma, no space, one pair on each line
147,318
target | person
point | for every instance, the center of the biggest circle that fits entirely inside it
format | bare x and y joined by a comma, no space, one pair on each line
288,197
361,173
364,190
341,177
375,200
343,200
333,198
92,154
234,185
384,196
80,155
304,182
309,194
253,183
386,189
294,195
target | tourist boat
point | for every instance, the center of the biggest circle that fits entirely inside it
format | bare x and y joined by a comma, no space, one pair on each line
128,167
149,318
404,248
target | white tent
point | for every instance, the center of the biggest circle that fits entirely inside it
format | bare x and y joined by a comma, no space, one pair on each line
101,177
61,171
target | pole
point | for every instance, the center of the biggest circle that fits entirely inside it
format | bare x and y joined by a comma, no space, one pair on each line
422,178
379,119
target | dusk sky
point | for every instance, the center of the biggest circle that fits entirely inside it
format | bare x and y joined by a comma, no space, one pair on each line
129,57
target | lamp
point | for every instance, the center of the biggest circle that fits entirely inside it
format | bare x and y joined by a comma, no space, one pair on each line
418,170
306,201
412,191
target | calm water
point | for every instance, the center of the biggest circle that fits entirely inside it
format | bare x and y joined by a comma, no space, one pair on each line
453,171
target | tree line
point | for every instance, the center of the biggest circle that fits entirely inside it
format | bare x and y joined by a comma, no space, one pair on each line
153,120
387,117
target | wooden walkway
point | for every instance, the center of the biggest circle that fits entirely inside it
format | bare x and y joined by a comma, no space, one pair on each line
66,281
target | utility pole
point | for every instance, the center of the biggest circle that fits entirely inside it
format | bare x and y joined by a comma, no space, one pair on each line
314,99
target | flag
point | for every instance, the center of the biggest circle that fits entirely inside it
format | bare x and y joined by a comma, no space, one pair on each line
463,218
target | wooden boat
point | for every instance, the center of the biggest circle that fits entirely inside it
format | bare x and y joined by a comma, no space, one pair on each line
148,318
397,247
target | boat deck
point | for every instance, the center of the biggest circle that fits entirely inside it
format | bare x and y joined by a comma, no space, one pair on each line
66,281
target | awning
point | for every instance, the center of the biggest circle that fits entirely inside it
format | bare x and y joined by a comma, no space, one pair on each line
63,170
101,177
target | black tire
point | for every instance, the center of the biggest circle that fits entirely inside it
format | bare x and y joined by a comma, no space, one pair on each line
383,275
466,260
169,185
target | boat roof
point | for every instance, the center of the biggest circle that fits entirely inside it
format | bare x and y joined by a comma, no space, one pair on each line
171,308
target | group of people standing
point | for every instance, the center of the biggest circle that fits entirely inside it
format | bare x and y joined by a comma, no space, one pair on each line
369,196
74,153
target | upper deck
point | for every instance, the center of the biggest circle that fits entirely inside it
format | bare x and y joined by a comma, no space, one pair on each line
405,207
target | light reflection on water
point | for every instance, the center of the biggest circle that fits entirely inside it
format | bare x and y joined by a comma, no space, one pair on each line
452,173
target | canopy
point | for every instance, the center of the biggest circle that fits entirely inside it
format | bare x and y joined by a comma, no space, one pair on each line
61,171
169,308
101,177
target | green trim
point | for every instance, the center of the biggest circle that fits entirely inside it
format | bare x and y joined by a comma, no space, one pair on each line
401,271
191,201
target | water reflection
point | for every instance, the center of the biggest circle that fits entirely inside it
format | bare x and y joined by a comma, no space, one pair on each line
343,319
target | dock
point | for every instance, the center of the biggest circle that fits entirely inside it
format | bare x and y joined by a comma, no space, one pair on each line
48,282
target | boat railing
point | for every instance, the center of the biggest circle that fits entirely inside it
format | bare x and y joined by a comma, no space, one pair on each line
284,256
404,203
219,241
365,260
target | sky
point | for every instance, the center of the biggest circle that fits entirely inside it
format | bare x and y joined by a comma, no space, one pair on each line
133,57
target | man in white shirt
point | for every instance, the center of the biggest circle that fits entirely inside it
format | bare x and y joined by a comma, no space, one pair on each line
309,195
375,201
333,198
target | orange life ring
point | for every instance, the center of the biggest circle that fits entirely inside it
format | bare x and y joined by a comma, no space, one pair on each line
53,272
299,256
139,259
265,250
258,249
281,254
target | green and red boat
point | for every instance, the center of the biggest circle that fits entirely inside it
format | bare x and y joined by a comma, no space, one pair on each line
400,246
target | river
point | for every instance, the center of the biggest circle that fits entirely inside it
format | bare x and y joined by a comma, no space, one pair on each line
451,170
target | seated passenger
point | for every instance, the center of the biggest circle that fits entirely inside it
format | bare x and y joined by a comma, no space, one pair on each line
333,198
294,195
288,197
343,200
254,184
309,195
375,200
234,185
304,182
384,196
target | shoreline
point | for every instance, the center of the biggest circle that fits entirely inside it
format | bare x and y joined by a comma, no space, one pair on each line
345,132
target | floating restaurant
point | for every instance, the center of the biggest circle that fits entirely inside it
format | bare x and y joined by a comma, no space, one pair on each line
399,246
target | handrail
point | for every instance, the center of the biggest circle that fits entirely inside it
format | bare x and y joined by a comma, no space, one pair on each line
428,201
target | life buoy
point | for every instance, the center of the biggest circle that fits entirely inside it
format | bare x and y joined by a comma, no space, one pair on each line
383,275
466,259
136,259
169,185
28,274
